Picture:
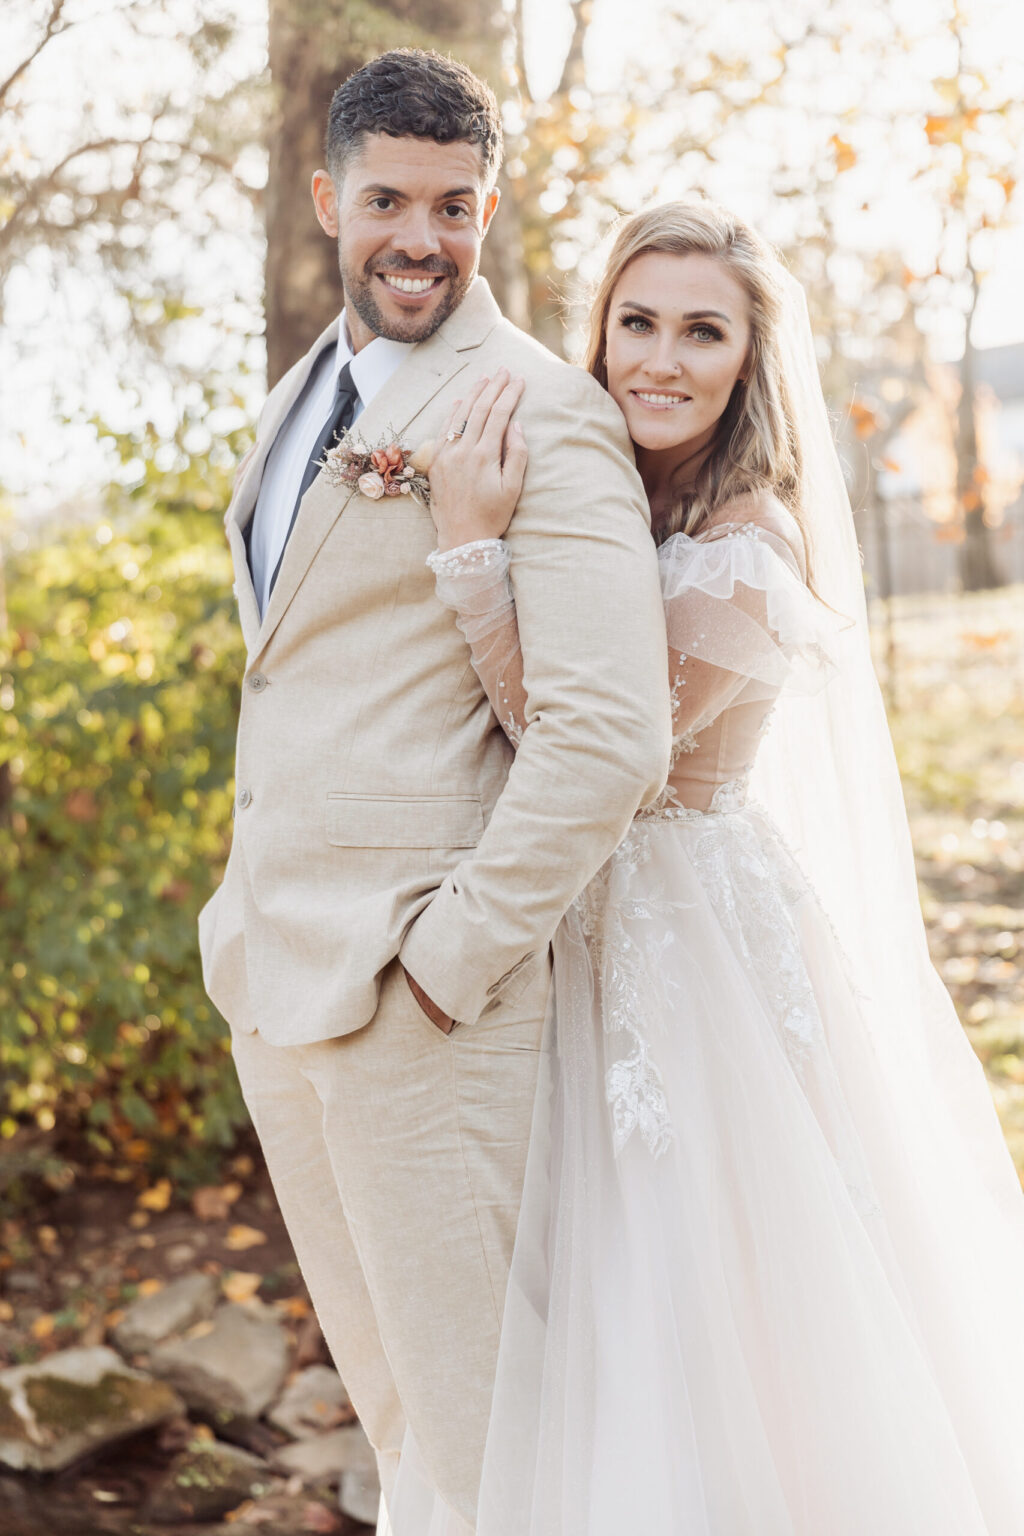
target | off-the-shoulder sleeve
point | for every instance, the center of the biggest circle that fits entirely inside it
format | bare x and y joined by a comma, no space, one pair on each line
473,580
741,622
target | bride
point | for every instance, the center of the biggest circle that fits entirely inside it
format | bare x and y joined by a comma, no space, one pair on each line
769,1277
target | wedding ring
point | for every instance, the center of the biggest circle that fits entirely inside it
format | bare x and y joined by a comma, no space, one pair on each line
454,433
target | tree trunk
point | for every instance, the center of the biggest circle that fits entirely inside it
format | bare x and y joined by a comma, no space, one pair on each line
502,261
314,46
303,286
978,568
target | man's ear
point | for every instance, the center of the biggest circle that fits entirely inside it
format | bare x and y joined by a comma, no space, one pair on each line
325,201
490,204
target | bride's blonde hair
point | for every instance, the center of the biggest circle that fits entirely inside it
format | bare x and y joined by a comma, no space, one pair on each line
755,448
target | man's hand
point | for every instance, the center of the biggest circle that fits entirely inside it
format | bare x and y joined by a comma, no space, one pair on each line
430,1008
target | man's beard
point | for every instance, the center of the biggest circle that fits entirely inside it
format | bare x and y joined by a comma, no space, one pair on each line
360,294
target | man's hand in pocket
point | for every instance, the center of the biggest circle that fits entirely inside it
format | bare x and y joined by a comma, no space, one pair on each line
430,1008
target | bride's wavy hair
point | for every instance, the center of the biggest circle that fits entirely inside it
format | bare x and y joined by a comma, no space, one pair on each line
755,448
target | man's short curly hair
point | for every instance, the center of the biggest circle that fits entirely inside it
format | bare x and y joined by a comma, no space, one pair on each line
416,93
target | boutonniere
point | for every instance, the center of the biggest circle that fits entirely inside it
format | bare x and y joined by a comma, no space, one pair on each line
390,469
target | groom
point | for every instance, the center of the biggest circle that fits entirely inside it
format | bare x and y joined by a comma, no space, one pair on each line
393,872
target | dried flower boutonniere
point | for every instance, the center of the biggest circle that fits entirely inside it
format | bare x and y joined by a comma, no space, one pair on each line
390,469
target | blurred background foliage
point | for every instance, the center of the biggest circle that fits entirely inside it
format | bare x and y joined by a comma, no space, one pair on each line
160,263
120,671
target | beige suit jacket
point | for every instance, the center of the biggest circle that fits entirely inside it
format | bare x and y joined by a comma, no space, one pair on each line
379,810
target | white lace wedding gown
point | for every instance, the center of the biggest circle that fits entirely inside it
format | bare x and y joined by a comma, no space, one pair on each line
753,1294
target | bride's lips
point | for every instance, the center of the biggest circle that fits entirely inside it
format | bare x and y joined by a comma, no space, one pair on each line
411,288
659,400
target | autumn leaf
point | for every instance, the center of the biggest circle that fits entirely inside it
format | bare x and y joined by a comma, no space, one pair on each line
939,129
846,155
42,1327
241,1237
864,419
150,1287
213,1202
200,1330
296,1307
240,1285
158,1198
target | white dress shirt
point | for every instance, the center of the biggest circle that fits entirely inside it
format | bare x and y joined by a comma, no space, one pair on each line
290,451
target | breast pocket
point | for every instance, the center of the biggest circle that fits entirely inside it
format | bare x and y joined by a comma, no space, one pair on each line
404,821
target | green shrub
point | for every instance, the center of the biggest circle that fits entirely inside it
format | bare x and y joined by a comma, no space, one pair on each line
119,675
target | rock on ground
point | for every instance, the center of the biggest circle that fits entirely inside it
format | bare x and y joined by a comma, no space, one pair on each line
315,1401
56,1411
205,1481
151,1319
234,1363
341,1456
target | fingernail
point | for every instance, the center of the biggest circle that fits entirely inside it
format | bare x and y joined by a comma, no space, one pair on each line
517,428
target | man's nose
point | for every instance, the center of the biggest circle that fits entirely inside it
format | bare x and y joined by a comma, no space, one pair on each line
416,236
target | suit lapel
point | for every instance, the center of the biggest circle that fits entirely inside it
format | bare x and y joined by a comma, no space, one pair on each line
427,369
248,608
243,502
279,402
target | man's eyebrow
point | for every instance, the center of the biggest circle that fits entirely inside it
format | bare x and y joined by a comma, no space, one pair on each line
377,189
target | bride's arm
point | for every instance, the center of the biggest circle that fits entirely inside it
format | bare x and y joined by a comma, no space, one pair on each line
473,493
473,580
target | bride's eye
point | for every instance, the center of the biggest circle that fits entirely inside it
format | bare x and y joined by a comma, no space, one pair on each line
638,324
705,332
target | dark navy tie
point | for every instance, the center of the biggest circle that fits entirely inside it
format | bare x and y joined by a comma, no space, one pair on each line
343,409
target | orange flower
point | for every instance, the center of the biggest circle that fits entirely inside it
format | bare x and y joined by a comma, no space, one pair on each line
388,462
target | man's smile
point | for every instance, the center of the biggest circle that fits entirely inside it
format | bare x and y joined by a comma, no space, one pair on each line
411,287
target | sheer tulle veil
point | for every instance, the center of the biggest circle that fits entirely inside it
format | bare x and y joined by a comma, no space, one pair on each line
826,775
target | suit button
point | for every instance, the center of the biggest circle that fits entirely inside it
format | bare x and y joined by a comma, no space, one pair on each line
257,682
244,799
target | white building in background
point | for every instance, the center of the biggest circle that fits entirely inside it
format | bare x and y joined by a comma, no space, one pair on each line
917,482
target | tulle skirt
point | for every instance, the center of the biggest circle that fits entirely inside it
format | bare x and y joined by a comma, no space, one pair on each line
769,1278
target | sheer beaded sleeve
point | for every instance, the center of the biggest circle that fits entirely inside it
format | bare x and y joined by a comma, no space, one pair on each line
473,581
741,622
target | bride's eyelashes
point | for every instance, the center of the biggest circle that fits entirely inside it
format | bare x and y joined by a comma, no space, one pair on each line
640,325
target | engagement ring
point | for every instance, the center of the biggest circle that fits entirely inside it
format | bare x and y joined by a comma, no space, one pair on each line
453,434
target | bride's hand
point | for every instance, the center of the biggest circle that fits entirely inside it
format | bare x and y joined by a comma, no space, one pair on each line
476,478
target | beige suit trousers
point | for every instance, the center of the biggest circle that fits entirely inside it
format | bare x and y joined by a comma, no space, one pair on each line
397,1154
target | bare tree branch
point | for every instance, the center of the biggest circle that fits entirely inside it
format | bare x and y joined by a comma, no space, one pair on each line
55,25
573,71
519,26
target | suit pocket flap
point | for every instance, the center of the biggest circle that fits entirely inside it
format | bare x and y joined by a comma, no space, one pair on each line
393,821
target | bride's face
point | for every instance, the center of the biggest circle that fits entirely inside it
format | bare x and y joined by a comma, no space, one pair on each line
677,341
